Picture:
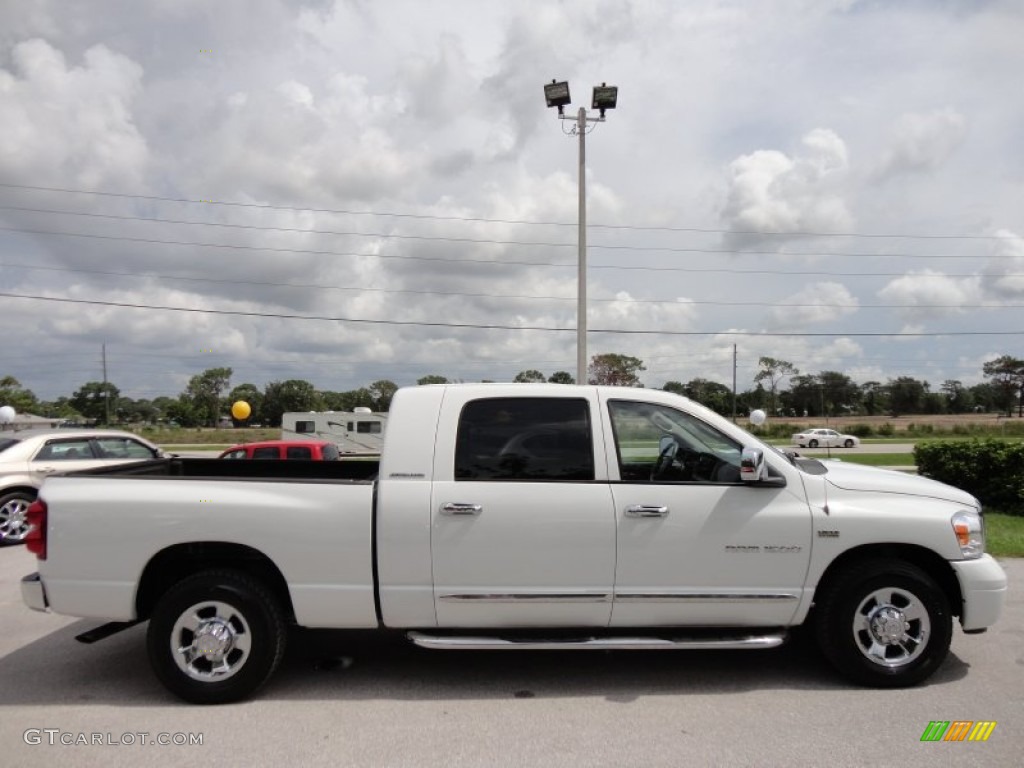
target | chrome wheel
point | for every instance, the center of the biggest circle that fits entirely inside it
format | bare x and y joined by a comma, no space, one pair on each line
211,641
13,527
216,636
883,622
891,627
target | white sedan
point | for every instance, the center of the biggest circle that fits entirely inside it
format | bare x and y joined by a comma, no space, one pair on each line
27,457
824,438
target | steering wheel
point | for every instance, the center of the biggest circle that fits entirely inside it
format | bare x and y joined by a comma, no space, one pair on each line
664,460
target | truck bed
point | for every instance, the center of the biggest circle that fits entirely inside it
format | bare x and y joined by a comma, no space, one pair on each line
262,470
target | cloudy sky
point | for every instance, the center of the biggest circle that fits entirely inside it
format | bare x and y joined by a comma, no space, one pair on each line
352,190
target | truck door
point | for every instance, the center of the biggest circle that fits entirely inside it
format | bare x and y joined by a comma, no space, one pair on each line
695,545
522,526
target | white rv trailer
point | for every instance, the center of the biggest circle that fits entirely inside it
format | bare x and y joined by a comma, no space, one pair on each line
357,431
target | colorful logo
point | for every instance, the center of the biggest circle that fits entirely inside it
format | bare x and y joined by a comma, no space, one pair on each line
958,730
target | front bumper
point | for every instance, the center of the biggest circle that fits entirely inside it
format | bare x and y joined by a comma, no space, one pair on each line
34,593
983,586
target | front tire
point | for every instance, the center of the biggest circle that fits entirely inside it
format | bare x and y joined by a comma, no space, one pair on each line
216,637
884,624
812,444
848,444
13,527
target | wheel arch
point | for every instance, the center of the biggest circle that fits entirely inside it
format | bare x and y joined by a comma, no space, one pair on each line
927,560
29,490
169,566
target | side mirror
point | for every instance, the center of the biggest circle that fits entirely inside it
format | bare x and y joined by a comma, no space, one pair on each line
752,465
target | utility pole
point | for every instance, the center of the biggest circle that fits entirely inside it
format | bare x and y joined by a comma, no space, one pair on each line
581,274
106,392
604,97
733,383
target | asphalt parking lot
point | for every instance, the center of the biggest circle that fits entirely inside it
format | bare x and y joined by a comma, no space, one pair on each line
372,700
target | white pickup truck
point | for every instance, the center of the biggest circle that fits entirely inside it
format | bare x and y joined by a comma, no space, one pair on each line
512,516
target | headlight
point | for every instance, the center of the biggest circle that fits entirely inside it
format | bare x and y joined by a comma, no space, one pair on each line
969,528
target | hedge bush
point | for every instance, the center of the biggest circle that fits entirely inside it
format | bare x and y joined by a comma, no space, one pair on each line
991,470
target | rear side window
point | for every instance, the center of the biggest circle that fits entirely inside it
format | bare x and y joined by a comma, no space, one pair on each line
368,427
267,452
122,448
525,438
65,450
6,443
298,452
305,427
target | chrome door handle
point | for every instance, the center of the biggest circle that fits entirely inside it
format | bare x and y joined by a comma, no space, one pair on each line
455,508
646,510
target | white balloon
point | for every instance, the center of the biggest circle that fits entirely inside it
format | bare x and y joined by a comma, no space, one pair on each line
6,414
757,418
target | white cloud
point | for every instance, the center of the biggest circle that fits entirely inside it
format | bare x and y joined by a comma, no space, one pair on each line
923,141
926,294
1004,272
770,191
70,126
822,302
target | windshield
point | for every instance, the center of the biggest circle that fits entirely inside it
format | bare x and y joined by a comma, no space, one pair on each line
7,442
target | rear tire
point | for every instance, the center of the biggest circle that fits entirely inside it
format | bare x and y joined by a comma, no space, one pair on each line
884,624
216,637
812,444
13,528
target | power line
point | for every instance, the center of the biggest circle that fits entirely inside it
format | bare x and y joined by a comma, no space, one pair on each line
493,262
476,219
673,302
484,241
427,324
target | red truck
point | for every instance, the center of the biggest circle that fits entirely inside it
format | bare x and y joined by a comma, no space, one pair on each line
308,450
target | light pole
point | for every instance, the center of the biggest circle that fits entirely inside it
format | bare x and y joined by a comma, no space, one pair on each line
605,97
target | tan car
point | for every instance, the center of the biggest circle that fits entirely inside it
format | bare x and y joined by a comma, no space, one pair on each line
27,457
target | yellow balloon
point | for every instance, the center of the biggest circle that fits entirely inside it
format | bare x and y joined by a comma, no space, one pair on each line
241,410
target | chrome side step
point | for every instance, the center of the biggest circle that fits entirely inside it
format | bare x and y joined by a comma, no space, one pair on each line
611,643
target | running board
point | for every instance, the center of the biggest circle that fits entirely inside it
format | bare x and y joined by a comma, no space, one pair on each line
623,643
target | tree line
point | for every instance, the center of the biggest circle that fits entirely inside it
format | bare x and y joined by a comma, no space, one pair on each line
779,388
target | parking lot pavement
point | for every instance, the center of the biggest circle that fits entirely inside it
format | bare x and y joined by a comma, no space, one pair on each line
373,700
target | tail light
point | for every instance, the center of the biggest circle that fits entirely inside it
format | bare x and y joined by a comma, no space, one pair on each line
35,517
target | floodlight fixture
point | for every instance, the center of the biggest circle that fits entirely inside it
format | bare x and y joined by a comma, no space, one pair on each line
605,97
557,94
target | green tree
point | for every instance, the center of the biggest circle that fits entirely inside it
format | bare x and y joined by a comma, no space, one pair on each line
774,371
531,376
432,379
958,397
96,401
280,397
907,395
13,394
715,396
382,391
1007,376
615,370
60,408
874,397
676,387
204,392
562,377
348,401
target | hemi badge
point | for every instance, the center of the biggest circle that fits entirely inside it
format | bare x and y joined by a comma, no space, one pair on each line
828,534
